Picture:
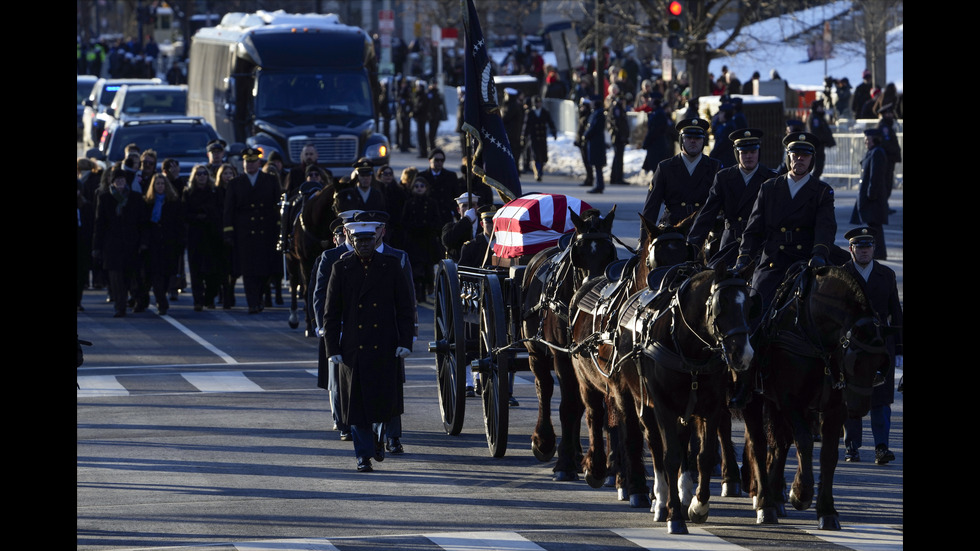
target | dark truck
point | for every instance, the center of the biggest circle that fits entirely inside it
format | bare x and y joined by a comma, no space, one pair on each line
277,81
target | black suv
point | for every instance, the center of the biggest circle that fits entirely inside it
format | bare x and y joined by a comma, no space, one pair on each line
182,138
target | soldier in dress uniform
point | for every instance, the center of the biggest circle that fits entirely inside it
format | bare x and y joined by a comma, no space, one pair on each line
731,197
251,227
681,183
368,328
792,220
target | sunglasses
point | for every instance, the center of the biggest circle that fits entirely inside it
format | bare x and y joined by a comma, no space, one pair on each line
438,160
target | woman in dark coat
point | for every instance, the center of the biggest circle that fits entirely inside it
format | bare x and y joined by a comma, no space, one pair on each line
595,144
420,222
119,236
202,213
166,239
229,276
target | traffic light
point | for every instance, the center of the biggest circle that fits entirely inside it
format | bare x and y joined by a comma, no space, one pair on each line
675,10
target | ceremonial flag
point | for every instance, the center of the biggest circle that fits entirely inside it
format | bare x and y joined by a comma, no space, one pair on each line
533,223
481,114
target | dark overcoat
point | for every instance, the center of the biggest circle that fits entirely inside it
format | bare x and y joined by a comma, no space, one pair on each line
882,291
120,233
251,213
681,192
535,132
202,214
787,229
872,202
368,314
594,137
166,238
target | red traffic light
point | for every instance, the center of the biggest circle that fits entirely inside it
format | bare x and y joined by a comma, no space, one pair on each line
675,8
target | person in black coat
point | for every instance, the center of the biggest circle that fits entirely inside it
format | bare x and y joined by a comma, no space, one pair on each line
512,114
83,233
202,214
871,208
681,183
722,126
119,237
584,110
818,125
368,328
594,138
251,227
537,125
166,238
656,141
464,228
732,196
443,183
422,112
882,291
361,192
792,220
619,131
419,220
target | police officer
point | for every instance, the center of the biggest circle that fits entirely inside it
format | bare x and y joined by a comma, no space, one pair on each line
731,197
681,183
368,322
792,220
251,227
882,291
216,156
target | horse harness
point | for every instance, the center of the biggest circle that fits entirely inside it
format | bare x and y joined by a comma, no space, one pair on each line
801,340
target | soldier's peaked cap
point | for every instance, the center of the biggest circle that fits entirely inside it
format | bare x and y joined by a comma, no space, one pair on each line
695,126
801,142
746,138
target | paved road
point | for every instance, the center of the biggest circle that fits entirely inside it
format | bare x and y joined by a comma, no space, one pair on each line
206,431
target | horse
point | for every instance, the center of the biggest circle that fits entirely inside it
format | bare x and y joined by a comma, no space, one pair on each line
309,235
819,352
550,280
602,384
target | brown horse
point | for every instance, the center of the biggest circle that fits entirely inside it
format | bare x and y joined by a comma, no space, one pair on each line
603,384
310,237
550,280
818,355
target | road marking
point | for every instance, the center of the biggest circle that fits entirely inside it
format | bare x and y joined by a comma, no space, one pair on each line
180,327
99,385
287,545
698,539
479,541
862,537
222,381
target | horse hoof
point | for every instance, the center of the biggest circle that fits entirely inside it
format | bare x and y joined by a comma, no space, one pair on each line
639,501
610,481
543,455
565,476
730,489
594,482
676,527
659,513
698,512
766,516
798,504
829,522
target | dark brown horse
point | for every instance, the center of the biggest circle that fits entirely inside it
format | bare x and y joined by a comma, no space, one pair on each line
604,386
686,341
310,237
550,280
818,355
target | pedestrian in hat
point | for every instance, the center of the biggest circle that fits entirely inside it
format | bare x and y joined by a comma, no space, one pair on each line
512,114
594,140
731,198
792,220
681,183
723,125
657,142
871,207
364,194
368,327
216,156
818,125
534,134
881,288
251,227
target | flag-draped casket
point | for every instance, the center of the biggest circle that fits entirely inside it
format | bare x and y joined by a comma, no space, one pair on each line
534,222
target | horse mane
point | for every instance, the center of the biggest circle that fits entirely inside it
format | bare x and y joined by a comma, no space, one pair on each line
846,278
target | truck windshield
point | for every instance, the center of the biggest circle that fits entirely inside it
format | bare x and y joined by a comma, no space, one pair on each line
345,94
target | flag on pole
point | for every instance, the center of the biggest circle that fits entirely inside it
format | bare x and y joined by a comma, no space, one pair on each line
481,114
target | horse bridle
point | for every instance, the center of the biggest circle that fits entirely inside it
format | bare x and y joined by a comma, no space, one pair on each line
852,347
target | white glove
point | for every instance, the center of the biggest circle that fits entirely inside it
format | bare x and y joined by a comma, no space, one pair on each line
338,359
898,361
353,175
320,332
471,214
402,352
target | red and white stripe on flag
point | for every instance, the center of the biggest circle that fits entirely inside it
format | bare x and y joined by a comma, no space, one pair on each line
533,222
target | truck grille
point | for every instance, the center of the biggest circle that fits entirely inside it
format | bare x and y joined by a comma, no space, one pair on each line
331,150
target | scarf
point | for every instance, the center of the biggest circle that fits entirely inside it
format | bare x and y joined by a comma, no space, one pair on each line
157,208
120,198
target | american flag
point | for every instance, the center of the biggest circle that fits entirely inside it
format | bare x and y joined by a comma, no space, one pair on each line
534,222
481,114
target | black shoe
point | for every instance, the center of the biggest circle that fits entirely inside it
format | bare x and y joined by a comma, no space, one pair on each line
513,402
253,309
119,314
379,452
162,311
139,309
345,436
594,190
198,307
364,466
210,305
883,455
470,393
851,456
173,295
394,447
